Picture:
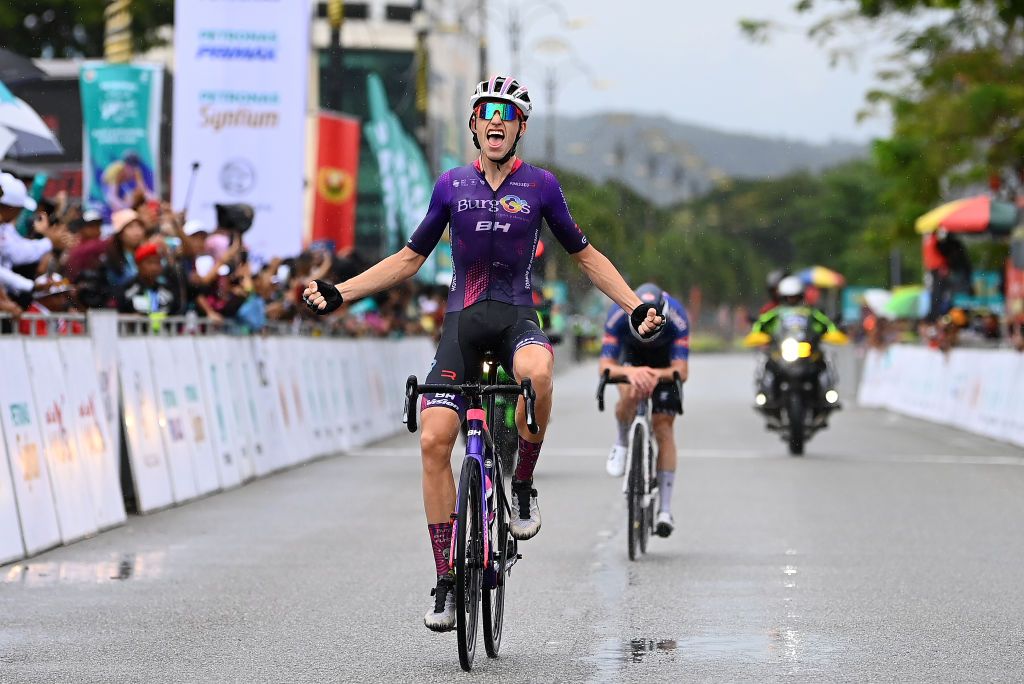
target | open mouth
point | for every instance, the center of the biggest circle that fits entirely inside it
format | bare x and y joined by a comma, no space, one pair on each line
495,139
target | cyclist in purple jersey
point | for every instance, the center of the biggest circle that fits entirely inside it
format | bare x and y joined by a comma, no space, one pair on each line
493,209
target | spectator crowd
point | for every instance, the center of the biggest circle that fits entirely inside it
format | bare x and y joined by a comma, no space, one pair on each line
57,256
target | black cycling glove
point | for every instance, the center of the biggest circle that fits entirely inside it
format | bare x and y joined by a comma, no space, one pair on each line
638,316
332,298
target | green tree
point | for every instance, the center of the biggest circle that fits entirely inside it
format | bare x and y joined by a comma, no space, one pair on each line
955,87
74,28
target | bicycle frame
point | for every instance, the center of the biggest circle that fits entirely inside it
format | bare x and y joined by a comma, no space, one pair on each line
643,419
479,445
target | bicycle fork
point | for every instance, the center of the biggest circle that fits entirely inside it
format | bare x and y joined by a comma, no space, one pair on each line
476,446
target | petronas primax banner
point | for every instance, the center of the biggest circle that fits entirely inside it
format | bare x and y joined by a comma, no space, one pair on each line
240,88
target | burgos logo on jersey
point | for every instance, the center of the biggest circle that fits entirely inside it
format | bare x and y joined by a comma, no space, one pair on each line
514,205
509,203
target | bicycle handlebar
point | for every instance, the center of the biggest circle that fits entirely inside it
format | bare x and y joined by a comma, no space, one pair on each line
525,389
608,379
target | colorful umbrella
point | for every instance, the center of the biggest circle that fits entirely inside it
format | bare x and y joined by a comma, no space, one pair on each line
822,277
26,134
877,300
972,215
910,301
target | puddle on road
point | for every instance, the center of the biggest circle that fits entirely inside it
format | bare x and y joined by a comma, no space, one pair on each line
116,568
615,652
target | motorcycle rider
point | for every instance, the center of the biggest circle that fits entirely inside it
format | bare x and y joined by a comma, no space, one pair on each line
791,303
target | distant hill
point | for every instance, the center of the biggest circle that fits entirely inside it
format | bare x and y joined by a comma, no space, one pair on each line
668,161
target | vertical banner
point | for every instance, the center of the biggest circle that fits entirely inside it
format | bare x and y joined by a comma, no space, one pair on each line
337,167
102,462
241,76
25,451
71,486
121,107
406,182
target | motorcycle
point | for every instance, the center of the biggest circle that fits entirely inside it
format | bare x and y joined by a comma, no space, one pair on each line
796,385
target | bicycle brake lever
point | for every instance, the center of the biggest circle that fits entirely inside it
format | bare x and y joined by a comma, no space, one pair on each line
409,414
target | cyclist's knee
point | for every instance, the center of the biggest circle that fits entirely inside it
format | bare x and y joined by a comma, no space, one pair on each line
437,437
625,409
535,362
661,424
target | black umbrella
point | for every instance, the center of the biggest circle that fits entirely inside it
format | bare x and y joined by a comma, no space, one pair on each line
17,69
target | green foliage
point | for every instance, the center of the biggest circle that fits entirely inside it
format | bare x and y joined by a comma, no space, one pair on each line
727,241
74,28
955,87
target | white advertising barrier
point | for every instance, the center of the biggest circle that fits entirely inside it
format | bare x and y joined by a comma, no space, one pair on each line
323,357
11,546
71,485
977,390
265,404
241,369
95,446
347,395
218,398
335,394
150,475
304,440
291,447
29,472
171,418
240,89
312,349
197,423
103,331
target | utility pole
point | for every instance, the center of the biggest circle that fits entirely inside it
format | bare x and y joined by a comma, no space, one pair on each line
482,12
515,33
335,16
551,82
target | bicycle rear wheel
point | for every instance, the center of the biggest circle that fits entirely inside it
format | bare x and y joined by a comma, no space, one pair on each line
468,562
634,495
502,546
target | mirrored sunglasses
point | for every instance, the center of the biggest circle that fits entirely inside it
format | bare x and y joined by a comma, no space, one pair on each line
505,110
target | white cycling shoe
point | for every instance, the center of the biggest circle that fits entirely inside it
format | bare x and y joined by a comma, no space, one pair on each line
616,464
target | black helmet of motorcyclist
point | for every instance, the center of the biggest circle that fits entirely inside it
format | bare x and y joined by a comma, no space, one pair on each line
651,294
772,281
791,291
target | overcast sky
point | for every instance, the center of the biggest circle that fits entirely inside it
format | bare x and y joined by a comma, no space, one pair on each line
687,59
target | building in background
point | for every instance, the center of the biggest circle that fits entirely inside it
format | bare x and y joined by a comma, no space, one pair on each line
427,54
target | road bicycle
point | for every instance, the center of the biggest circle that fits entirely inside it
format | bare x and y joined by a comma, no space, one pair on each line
640,482
483,552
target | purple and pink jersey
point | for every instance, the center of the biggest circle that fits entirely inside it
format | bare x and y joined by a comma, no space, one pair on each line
494,233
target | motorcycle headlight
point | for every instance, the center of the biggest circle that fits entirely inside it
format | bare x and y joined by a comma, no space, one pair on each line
790,349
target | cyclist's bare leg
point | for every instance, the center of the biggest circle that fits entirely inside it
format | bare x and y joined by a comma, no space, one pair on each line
662,424
439,431
625,409
536,362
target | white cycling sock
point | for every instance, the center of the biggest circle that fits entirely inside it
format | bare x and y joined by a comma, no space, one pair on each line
623,434
666,478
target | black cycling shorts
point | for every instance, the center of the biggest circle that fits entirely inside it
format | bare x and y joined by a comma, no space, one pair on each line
487,326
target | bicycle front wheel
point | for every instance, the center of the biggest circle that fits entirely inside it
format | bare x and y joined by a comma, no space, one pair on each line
468,562
635,494
502,549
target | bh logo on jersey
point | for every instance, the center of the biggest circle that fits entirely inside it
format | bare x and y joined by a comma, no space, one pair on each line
514,205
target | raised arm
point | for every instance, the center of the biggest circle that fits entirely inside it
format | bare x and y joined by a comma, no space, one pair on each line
606,277
386,273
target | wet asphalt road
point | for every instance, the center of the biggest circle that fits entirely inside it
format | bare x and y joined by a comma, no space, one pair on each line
892,551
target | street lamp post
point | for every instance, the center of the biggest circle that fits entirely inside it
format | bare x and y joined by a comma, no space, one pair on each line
515,25
335,16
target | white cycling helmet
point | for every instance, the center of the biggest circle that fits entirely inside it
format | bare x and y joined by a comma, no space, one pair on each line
791,286
503,89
